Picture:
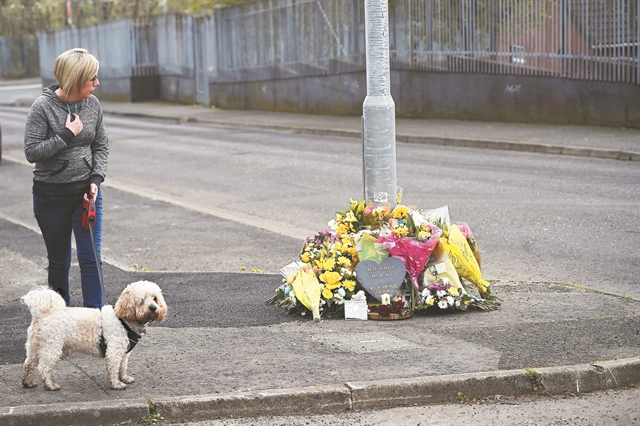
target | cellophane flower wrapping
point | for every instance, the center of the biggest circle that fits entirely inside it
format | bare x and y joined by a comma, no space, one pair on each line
368,248
463,259
440,268
410,241
306,289
465,229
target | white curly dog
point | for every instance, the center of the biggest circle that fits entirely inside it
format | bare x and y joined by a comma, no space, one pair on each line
107,333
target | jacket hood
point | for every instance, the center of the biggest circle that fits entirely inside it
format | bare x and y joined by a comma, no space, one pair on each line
50,94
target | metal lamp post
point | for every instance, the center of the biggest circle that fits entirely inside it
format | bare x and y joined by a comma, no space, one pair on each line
378,117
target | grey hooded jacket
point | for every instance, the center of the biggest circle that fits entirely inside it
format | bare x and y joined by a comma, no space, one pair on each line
65,164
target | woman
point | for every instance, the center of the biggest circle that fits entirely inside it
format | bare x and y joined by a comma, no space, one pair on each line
66,139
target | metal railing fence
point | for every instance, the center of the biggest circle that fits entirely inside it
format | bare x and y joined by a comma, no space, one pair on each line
582,39
175,39
124,48
19,57
272,39
289,38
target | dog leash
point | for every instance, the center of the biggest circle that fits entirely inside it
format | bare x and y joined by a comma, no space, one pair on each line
89,221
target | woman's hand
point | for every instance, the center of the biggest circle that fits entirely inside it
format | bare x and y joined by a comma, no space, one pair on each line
75,126
93,192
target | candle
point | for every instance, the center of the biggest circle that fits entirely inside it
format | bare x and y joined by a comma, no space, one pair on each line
386,299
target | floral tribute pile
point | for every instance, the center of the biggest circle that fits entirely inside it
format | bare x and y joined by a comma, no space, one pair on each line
442,260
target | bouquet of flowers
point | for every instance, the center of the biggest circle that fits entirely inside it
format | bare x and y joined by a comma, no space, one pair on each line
466,232
332,260
360,216
411,242
397,307
443,295
464,260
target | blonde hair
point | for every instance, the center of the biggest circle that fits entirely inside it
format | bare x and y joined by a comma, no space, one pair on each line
74,68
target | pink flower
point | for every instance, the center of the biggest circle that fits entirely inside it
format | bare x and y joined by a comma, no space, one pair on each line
464,229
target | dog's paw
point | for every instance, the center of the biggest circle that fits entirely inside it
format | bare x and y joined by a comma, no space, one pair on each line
29,384
118,386
52,387
127,379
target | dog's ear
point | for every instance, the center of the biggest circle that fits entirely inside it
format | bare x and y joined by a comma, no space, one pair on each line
126,305
162,307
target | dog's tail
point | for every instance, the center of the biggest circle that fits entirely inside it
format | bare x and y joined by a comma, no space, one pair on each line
43,301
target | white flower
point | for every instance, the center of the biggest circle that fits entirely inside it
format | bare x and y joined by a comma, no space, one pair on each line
441,293
442,304
449,300
425,292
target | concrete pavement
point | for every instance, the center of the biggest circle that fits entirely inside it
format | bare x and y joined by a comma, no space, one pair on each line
211,359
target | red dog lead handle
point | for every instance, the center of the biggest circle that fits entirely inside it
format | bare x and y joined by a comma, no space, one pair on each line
89,214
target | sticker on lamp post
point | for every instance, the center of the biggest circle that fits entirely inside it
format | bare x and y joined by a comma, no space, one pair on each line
380,197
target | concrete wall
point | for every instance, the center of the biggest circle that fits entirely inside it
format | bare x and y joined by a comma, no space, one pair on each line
515,99
177,89
341,94
446,95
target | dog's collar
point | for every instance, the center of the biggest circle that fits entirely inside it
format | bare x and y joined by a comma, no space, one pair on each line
133,336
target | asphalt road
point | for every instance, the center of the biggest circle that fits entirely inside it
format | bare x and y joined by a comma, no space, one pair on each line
200,198
603,408
206,200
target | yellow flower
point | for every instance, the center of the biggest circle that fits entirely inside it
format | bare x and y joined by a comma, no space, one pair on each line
350,217
327,294
430,302
329,264
400,212
349,285
305,257
401,231
342,229
331,279
454,291
344,261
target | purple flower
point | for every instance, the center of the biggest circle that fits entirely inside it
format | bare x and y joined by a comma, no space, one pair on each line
437,286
